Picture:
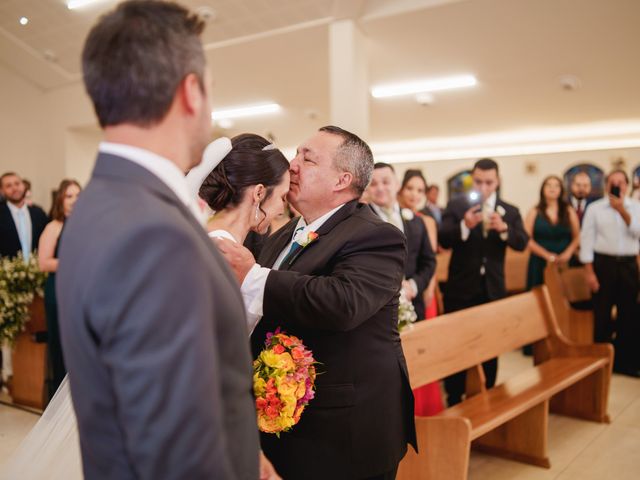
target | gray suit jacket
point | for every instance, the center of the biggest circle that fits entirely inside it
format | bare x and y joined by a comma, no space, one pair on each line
154,336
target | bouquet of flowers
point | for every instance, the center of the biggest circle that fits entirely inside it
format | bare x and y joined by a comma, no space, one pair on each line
19,282
283,382
406,312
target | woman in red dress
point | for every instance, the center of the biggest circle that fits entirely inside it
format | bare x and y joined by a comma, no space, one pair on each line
412,194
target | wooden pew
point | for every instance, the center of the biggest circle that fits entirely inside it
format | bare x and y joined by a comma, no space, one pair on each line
510,419
515,269
566,286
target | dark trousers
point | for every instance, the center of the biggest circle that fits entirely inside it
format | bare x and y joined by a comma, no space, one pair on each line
619,284
385,476
455,384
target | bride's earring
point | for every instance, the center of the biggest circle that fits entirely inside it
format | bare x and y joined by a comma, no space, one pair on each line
257,210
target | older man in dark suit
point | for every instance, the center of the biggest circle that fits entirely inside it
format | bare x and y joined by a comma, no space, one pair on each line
152,321
421,260
339,293
478,228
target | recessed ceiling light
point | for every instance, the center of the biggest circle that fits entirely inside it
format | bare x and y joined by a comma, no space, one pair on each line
23,20
433,85
246,111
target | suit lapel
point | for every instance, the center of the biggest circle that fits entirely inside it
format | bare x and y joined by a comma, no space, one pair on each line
9,219
276,243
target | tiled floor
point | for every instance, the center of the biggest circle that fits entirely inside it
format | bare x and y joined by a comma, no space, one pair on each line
578,450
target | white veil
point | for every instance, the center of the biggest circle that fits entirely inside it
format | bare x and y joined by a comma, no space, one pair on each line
51,450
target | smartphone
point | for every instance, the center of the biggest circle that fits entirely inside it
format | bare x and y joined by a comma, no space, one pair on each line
615,191
473,197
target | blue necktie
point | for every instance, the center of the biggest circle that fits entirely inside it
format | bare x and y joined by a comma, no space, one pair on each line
22,233
294,246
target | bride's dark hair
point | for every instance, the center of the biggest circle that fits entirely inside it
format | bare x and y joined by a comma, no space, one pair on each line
245,165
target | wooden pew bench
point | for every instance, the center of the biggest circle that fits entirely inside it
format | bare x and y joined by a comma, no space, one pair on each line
567,286
510,419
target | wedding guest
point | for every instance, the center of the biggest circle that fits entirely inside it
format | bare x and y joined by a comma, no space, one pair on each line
478,228
151,318
428,398
553,228
20,224
609,246
421,261
338,292
65,199
580,191
431,207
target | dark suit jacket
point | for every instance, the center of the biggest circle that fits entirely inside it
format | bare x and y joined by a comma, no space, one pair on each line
465,280
340,296
154,336
421,260
9,239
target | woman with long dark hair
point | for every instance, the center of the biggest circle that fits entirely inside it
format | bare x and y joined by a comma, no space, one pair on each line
65,199
553,228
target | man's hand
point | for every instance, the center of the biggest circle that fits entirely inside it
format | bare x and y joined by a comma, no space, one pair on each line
564,257
473,217
497,223
239,257
267,472
592,281
617,203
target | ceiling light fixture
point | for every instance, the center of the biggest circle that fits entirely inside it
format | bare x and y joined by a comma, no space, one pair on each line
435,85
246,111
73,4
23,20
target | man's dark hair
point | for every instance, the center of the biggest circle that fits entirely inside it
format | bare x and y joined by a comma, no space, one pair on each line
618,170
433,186
486,164
7,174
135,58
379,165
353,156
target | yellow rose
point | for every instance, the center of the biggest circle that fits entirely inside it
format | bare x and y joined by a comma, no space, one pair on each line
270,359
259,386
286,387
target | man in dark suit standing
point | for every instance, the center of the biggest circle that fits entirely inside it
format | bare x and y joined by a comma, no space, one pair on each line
339,294
20,224
478,228
421,261
152,321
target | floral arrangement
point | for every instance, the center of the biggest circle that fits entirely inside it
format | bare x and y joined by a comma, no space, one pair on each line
406,312
19,282
283,382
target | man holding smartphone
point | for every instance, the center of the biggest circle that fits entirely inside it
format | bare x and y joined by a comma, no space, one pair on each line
609,246
478,228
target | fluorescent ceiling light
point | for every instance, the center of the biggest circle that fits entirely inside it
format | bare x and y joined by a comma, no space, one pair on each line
580,137
247,111
73,4
435,85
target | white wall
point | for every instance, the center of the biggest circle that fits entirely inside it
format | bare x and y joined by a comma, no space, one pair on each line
520,187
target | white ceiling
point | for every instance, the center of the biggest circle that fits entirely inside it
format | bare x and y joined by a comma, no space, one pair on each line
277,50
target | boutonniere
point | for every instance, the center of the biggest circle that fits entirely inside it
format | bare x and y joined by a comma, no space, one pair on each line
501,211
407,214
307,239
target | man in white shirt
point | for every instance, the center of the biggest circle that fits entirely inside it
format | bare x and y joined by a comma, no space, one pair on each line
609,246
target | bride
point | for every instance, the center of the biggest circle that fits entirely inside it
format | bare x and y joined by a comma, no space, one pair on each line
245,182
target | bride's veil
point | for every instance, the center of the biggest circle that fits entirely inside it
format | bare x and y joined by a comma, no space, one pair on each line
51,448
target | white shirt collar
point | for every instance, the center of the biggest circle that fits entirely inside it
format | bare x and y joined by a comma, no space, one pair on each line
15,210
161,167
317,223
491,201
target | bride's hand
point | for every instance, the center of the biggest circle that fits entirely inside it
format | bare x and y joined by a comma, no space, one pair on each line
239,257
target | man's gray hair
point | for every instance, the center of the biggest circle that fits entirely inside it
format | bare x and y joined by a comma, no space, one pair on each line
353,156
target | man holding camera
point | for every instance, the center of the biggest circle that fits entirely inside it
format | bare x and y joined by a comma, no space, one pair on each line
478,228
609,245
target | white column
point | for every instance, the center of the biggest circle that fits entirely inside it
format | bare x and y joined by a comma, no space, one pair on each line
349,78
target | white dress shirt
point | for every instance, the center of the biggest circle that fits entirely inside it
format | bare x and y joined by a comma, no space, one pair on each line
16,212
489,204
604,230
161,167
394,219
256,280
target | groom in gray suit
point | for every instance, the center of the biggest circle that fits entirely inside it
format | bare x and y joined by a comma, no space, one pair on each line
153,324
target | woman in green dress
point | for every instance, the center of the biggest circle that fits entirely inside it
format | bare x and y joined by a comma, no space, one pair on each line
553,228
65,198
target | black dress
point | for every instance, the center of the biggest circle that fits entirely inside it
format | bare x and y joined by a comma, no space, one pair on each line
56,368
